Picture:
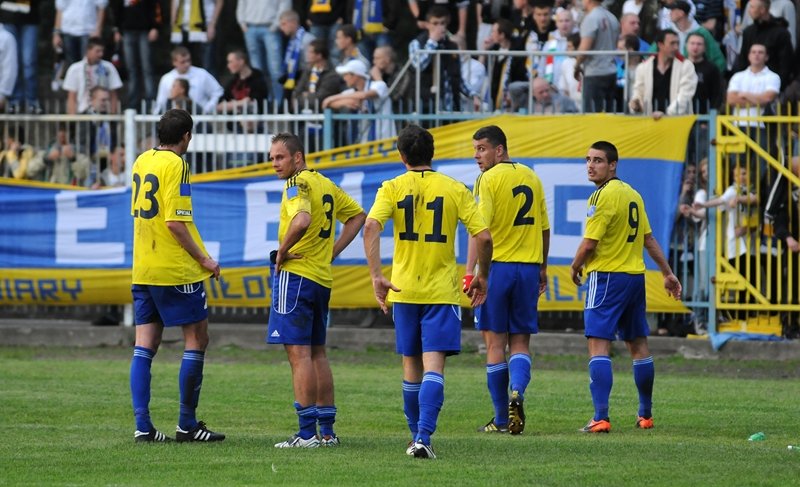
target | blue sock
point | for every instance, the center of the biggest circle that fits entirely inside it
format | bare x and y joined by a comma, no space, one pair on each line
643,374
519,372
190,380
140,386
601,379
411,405
497,381
431,398
307,418
326,416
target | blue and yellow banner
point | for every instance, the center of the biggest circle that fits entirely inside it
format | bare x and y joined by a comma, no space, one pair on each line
66,246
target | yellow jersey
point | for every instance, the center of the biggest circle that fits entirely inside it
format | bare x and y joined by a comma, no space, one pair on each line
425,207
617,220
160,193
511,199
311,192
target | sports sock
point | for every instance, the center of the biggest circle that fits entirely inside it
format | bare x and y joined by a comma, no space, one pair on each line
326,416
519,371
411,405
600,381
497,382
307,418
643,374
190,380
140,386
431,398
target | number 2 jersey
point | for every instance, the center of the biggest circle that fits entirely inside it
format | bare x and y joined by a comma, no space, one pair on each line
160,193
311,192
511,199
425,207
616,219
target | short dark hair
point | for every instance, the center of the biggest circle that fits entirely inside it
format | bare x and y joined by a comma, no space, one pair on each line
493,134
662,34
416,144
320,47
173,125
291,142
610,150
697,34
631,42
180,51
437,12
241,54
184,84
93,42
505,27
349,30
574,39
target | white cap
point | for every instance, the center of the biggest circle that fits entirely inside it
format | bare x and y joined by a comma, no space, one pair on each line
354,66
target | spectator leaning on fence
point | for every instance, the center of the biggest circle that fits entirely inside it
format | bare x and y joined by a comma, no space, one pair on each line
205,90
665,83
88,73
77,21
245,89
21,20
8,60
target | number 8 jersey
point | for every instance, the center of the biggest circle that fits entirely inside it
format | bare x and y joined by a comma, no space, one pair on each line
425,207
160,193
616,219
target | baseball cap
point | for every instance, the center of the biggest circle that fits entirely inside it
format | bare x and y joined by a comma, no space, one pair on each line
680,5
353,66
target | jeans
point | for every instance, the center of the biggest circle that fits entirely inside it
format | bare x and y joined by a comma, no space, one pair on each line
599,93
26,86
74,48
265,49
139,61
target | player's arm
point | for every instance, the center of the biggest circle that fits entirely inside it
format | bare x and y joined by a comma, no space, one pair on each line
585,249
297,228
372,248
671,282
543,266
483,248
472,259
349,231
181,234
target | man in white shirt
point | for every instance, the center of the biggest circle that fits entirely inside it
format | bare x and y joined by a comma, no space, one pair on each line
364,95
751,90
204,89
8,60
87,73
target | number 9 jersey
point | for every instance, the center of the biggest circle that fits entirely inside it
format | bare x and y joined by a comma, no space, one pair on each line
615,217
425,207
160,193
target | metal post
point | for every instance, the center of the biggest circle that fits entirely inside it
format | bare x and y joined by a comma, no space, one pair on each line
130,143
711,228
327,130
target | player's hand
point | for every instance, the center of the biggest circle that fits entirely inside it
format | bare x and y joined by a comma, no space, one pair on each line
211,265
673,286
281,259
542,280
792,244
477,290
576,274
577,73
658,115
466,281
382,286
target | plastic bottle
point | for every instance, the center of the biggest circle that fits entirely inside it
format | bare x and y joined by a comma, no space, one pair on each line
760,436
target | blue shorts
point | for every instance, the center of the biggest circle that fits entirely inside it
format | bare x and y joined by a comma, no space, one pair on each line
512,299
169,305
427,328
299,314
615,305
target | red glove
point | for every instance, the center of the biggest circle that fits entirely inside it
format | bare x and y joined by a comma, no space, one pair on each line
466,282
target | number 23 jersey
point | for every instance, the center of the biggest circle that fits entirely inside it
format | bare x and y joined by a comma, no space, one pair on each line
425,207
160,193
615,217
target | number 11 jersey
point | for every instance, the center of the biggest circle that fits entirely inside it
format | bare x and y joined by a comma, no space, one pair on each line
425,207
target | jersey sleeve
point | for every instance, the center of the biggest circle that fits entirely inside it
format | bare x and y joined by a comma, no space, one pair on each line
469,214
177,192
598,218
382,207
346,206
542,204
298,197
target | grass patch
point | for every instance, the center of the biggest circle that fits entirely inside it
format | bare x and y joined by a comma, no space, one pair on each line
66,419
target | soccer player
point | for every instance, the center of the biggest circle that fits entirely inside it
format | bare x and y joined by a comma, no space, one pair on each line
610,255
301,284
511,199
170,264
425,207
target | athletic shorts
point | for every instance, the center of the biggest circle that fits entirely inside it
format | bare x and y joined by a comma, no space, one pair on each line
179,305
299,314
427,328
512,299
615,305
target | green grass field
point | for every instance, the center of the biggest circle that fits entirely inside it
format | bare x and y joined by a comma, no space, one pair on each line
65,418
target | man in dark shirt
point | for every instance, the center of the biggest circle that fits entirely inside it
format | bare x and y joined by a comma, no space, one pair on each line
245,90
772,33
317,82
709,79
